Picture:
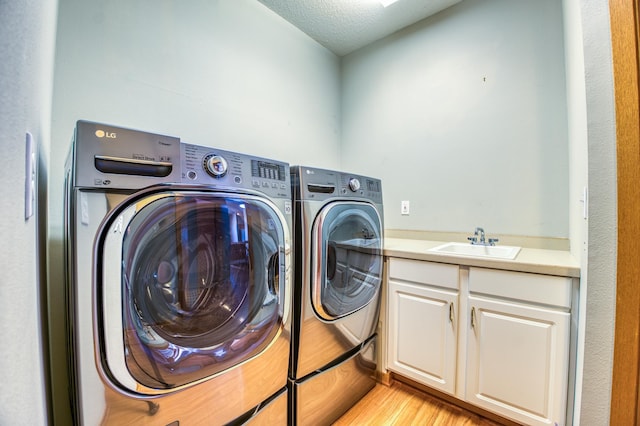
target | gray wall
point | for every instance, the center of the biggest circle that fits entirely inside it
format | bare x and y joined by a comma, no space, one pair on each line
27,34
464,115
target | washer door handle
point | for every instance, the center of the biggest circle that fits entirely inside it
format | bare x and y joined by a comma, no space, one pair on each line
273,273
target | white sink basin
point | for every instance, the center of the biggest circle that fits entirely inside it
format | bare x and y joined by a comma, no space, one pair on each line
466,249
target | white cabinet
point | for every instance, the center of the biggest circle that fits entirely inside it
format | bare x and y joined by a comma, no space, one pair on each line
518,350
422,315
512,331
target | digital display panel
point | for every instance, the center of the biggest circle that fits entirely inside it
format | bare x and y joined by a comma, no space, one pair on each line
267,170
373,185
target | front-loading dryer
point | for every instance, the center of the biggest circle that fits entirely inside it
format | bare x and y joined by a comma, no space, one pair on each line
178,266
338,240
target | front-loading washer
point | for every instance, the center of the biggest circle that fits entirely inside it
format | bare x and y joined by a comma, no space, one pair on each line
178,279
338,243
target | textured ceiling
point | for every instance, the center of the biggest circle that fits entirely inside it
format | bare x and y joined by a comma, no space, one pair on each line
343,26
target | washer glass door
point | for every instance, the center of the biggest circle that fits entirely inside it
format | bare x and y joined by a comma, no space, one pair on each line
347,240
197,288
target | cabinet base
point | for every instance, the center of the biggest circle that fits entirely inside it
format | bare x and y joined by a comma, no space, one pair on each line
448,398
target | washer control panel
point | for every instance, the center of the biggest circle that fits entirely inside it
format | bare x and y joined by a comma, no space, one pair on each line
220,168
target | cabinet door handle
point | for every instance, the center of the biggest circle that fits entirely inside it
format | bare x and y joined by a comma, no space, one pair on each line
451,312
473,318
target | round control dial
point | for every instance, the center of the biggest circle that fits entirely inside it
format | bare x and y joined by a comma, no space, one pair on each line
354,184
215,165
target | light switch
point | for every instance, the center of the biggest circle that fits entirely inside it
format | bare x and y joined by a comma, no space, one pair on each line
30,176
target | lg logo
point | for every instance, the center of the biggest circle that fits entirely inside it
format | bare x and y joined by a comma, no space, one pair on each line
103,134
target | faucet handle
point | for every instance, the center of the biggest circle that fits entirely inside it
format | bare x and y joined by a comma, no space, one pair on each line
493,241
473,239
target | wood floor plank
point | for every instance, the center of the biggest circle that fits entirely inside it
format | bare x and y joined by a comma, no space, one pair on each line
400,404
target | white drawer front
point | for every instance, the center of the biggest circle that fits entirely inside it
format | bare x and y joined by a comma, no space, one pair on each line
429,273
542,289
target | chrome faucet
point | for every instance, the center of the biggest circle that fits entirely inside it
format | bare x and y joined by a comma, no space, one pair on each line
479,238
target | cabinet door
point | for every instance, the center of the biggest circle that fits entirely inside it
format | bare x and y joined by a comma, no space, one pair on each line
517,360
422,334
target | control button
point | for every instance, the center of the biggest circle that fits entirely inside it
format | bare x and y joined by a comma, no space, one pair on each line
265,184
255,183
274,185
215,165
354,184
192,175
237,179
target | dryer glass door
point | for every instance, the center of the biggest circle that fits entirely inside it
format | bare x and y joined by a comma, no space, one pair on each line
197,287
347,241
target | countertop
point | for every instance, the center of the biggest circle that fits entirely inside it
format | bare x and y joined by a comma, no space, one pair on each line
539,261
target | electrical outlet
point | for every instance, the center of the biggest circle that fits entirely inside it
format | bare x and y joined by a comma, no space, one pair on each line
404,208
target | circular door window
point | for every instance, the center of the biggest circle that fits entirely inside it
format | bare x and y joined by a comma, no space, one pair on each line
200,285
348,269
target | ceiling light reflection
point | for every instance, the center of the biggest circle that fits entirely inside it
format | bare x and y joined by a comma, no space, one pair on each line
386,3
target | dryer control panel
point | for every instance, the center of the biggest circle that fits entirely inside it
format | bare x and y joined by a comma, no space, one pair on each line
220,168
320,184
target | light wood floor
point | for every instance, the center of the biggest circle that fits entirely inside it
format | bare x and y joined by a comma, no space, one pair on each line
400,404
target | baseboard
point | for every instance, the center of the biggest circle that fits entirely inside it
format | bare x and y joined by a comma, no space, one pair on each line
450,399
384,378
